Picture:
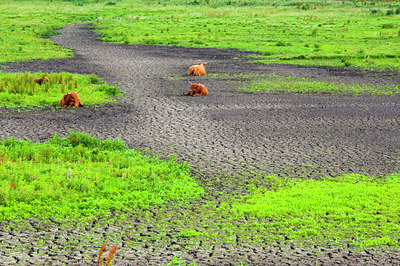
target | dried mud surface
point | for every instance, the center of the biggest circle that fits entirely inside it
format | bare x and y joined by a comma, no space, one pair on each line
227,134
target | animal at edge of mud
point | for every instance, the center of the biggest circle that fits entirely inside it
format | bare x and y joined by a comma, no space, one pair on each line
71,99
41,80
197,70
197,89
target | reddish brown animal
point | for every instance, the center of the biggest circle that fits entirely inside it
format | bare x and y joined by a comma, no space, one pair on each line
197,70
71,99
41,80
197,89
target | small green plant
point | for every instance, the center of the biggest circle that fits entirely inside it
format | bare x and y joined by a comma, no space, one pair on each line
108,90
178,262
95,79
389,12
189,234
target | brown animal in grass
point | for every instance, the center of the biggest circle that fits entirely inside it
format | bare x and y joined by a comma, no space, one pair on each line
197,70
197,89
70,99
41,80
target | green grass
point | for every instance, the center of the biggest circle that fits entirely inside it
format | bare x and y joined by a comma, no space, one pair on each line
81,176
25,23
19,89
354,209
295,84
339,33
328,33
178,262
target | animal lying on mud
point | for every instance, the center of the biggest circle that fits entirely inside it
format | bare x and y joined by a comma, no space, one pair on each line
41,80
197,70
197,89
71,99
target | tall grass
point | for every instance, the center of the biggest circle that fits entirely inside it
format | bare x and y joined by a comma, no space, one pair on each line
20,89
81,176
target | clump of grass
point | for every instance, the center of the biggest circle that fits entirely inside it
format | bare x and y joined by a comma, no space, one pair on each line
81,176
19,89
178,262
353,209
295,84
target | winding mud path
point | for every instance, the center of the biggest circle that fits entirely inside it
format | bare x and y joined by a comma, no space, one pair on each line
227,133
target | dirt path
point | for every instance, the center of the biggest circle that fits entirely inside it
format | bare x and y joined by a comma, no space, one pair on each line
226,133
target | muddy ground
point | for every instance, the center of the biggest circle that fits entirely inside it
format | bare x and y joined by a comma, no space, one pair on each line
226,137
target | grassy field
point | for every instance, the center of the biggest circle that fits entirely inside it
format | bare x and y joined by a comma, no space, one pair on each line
346,33
25,24
330,33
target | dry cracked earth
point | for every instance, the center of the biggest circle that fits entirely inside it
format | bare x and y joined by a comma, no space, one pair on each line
226,137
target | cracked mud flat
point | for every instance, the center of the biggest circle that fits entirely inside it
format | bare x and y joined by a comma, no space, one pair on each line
228,134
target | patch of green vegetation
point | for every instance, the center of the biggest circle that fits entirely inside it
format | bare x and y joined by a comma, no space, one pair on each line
354,209
24,24
178,262
294,84
81,176
310,33
20,89
338,33
189,234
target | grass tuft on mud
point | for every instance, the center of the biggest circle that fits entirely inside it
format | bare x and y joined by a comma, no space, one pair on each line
354,209
81,176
